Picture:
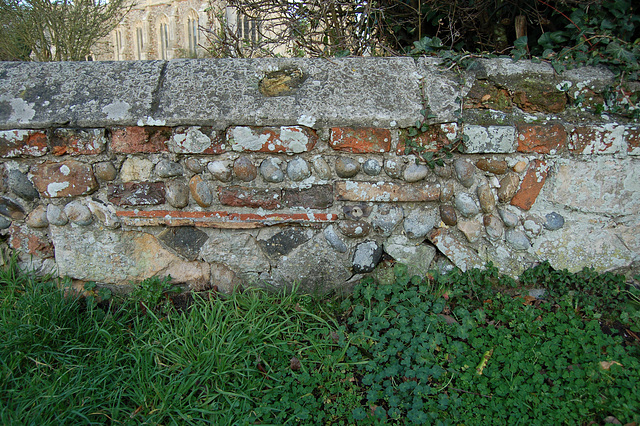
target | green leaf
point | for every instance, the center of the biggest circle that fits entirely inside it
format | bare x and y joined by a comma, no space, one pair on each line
521,42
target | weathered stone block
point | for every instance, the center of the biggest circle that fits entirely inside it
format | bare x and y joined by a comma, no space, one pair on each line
360,140
540,138
605,139
136,169
316,197
196,140
78,141
386,191
67,179
491,139
136,194
18,143
239,196
462,256
132,140
286,140
531,185
483,94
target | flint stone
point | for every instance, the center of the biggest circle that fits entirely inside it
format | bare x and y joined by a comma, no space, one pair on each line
448,215
498,167
194,165
38,218
372,167
418,258
334,240
221,170
271,171
442,171
238,251
517,239
511,220
415,172
120,257
420,222
244,169
322,168
358,211
466,204
79,214
493,226
508,187
464,172
393,168
347,167
67,179
56,215
11,209
284,242
177,194
298,170
354,228
105,214
366,256
520,166
105,171
486,198
315,266
136,169
554,221
184,240
385,218
166,169
472,229
462,256
136,194
201,191
5,222
446,192
20,185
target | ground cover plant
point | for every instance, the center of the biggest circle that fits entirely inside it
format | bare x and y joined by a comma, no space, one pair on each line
466,349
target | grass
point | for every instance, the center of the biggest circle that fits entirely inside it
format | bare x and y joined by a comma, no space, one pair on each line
455,349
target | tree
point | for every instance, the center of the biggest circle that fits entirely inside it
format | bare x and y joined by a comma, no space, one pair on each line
56,30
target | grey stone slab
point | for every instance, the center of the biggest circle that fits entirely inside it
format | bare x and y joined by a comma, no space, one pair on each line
80,94
380,92
442,88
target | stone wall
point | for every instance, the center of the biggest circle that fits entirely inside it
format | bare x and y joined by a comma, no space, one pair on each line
278,171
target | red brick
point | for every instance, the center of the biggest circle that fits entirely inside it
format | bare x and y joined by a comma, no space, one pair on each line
220,219
286,140
632,136
196,140
67,179
238,196
77,141
316,197
531,185
18,143
360,140
136,194
606,139
432,140
541,138
131,140
386,191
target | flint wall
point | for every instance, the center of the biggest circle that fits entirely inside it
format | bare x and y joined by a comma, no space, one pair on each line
276,171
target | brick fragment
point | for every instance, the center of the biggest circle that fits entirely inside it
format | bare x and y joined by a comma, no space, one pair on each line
220,219
131,140
67,179
78,141
286,140
432,140
19,143
536,96
632,136
531,185
484,94
27,241
316,197
541,138
605,139
239,196
386,191
136,194
196,140
360,140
